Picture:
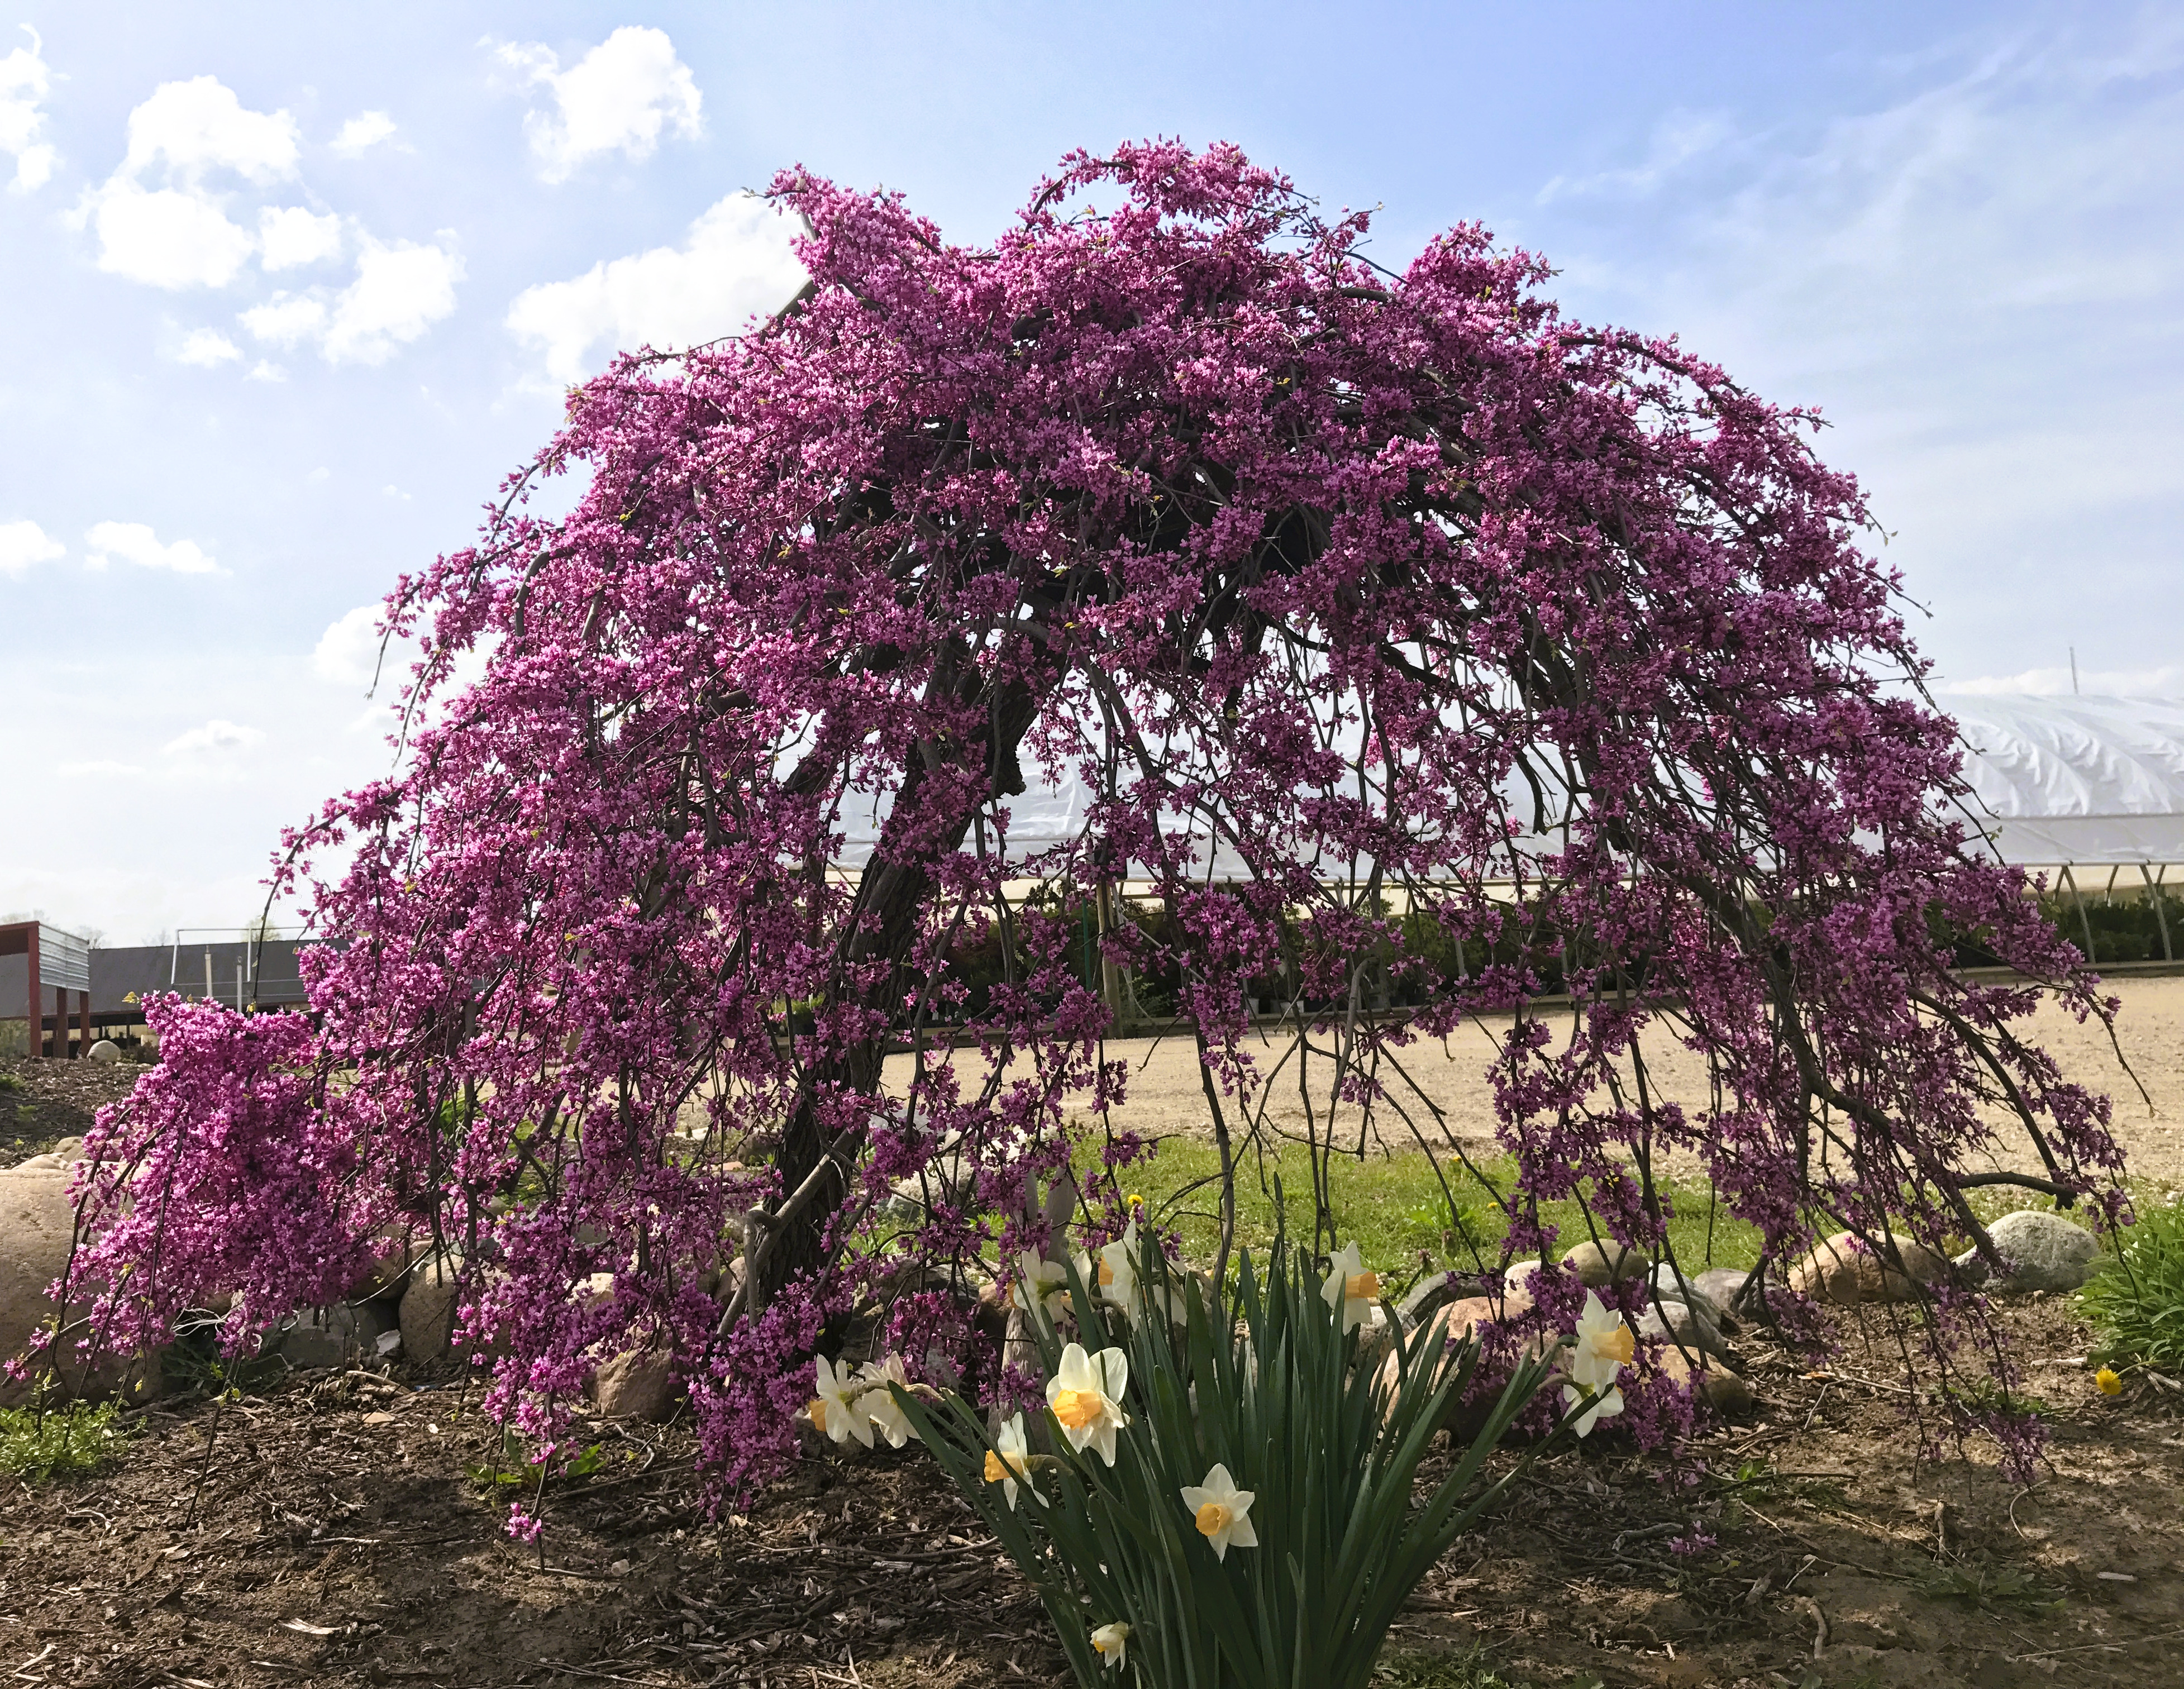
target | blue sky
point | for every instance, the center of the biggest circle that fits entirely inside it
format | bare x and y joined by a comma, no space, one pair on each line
288,288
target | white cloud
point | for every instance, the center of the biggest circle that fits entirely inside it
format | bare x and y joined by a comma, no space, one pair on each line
23,543
135,542
617,97
206,347
85,770
23,80
285,319
365,130
200,125
348,652
216,738
400,291
289,236
736,261
171,239
265,370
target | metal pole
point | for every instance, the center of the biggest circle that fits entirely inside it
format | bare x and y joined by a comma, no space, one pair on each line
83,1022
208,991
2160,915
33,1034
2078,897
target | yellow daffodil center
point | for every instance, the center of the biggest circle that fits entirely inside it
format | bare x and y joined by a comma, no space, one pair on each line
1362,1286
1101,1644
995,1471
2110,1383
1106,1273
1078,1408
1213,1519
1618,1345
818,1410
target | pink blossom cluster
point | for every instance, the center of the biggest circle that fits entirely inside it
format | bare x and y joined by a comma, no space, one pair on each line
1349,596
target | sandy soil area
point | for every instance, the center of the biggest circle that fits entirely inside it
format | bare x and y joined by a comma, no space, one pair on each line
1453,1092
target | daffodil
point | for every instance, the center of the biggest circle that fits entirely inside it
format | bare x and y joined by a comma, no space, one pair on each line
1109,1643
1043,1282
1351,1291
2108,1381
830,1409
1113,1273
1009,1463
1604,1345
1221,1512
1085,1396
877,1403
1604,1406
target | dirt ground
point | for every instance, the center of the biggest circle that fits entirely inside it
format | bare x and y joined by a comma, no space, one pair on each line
326,1532
1165,1096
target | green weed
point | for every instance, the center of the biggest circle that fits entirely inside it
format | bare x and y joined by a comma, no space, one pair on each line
2137,1299
71,1442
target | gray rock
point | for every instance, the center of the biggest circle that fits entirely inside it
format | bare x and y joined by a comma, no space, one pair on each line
336,1336
2040,1252
427,1316
1432,1293
1669,1286
639,1385
106,1050
1722,1286
1606,1263
1682,1323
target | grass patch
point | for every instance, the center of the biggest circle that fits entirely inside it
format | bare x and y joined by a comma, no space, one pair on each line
1412,1668
1395,1207
2137,1299
61,1442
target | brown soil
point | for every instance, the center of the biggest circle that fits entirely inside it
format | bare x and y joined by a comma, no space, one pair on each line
1165,1096
329,1535
51,1099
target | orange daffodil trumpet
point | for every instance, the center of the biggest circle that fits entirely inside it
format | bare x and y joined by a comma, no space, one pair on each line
1221,1512
830,1409
1350,1291
1008,1463
1112,1271
1085,1395
1603,1346
1110,1642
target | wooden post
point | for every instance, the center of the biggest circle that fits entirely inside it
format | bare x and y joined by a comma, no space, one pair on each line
82,1023
33,1034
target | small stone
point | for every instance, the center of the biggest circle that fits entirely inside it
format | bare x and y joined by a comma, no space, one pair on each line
105,1050
1843,1269
1606,1263
381,1417
2039,1251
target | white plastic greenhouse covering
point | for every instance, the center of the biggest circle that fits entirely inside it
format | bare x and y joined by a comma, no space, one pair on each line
2058,780
2083,780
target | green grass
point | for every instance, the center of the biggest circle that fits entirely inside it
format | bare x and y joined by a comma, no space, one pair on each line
1412,1668
61,1442
1395,1207
2136,1302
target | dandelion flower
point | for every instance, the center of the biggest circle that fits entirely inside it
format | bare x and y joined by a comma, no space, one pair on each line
1350,1290
1221,1512
1009,1461
1604,1344
2108,1381
1109,1643
1085,1395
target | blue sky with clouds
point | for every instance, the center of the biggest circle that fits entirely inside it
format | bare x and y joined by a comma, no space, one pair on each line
288,288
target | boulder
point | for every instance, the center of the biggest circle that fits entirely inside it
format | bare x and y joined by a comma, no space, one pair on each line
1724,1286
427,1316
2039,1251
1843,1269
1517,1274
68,1149
1606,1263
1670,1286
1681,1323
336,1336
392,1252
639,1385
1723,1391
38,1229
1429,1344
105,1050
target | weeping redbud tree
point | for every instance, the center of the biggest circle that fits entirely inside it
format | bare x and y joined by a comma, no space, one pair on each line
1397,627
